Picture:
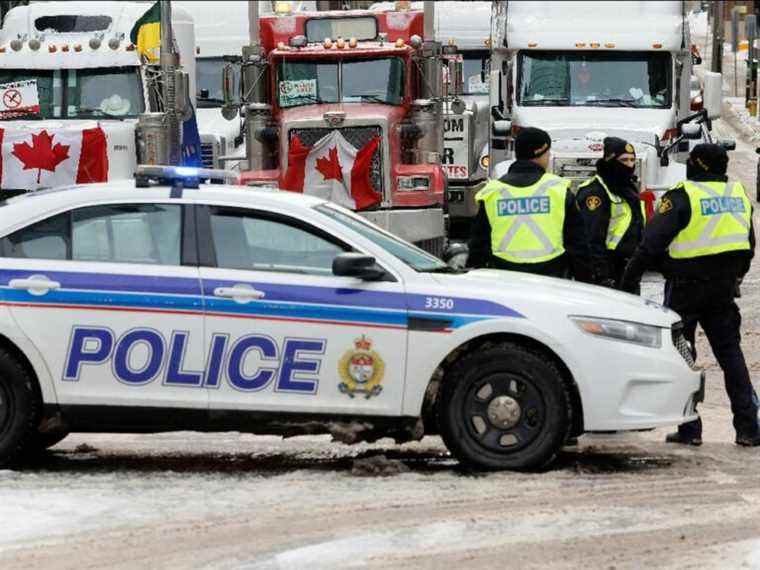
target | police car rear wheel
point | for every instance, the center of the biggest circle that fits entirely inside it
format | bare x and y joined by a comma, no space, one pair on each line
19,408
504,407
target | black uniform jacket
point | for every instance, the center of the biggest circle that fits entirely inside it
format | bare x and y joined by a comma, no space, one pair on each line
595,206
672,216
575,259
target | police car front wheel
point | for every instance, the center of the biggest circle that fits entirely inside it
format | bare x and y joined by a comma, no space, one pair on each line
19,408
504,407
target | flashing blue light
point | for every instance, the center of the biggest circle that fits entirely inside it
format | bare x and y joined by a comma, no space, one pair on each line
187,171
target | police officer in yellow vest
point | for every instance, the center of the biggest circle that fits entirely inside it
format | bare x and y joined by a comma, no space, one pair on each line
612,212
703,231
528,220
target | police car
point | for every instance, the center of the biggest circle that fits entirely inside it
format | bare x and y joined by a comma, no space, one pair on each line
143,306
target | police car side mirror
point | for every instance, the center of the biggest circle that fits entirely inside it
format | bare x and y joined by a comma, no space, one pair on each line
727,144
357,265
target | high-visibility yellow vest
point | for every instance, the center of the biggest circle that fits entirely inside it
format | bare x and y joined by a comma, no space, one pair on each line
720,220
526,223
621,214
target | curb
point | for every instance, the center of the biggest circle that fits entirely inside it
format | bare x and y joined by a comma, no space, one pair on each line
747,133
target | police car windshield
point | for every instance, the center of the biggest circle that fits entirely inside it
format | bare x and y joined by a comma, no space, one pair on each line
413,256
594,79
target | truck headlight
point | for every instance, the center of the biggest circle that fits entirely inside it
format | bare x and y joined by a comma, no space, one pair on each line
413,183
626,331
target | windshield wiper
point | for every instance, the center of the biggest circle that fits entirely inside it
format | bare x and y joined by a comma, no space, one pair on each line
557,100
96,112
612,102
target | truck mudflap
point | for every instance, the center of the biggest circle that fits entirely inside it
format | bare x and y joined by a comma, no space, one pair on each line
423,227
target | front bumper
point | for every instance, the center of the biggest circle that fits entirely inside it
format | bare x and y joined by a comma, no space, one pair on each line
629,387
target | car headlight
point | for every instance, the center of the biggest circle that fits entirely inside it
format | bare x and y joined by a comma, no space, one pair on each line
626,331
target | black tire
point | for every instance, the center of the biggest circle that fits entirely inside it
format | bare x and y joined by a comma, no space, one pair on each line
530,434
19,408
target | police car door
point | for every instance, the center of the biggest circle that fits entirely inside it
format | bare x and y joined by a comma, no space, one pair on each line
102,294
283,332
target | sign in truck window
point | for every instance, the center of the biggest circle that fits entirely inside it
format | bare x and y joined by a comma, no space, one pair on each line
456,147
19,98
298,92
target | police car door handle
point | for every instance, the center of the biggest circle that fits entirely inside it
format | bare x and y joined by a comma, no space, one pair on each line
239,292
35,283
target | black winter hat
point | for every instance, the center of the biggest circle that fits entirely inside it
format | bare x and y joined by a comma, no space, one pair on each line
531,143
615,147
709,158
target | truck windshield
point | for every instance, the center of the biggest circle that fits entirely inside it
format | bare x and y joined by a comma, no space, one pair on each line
83,93
473,64
605,79
348,81
208,72
413,256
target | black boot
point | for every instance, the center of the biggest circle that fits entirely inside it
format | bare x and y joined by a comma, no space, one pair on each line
677,437
748,440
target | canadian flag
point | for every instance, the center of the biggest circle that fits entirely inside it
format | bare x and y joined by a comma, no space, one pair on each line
33,159
333,169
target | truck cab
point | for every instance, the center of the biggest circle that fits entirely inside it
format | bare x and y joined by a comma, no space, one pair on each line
85,72
586,70
351,82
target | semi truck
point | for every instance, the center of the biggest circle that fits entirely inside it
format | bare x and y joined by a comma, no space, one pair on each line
347,105
79,80
465,131
586,70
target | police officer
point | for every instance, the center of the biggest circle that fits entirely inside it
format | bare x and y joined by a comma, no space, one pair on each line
612,212
705,226
528,220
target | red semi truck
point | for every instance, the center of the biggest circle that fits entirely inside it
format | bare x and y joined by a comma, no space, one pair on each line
347,106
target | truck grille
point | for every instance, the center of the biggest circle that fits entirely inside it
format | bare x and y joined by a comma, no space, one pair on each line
682,345
580,169
357,136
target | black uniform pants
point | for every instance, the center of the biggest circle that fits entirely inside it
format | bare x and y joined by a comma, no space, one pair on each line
711,304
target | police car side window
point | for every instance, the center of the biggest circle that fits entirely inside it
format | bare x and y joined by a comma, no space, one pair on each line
48,239
127,233
270,243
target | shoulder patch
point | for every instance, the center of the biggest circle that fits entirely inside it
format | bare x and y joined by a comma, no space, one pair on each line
665,206
593,202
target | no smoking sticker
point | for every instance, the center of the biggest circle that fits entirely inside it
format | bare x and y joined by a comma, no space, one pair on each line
19,98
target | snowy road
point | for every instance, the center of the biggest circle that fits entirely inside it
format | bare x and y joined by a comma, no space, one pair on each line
231,501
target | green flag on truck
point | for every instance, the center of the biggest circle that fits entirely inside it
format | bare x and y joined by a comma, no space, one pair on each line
146,33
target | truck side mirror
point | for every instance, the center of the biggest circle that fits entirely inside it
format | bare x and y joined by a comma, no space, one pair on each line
713,94
502,128
692,131
229,107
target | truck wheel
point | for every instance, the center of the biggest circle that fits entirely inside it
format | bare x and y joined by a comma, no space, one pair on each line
19,408
504,407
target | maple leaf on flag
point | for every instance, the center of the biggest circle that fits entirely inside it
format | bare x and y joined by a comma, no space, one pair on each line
330,167
42,154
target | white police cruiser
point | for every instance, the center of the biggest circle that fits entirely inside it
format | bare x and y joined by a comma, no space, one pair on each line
142,306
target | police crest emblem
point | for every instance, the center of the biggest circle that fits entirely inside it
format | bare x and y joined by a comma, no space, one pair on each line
593,202
361,370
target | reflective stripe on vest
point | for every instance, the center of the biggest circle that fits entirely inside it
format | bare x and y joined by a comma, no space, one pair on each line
621,215
720,220
522,218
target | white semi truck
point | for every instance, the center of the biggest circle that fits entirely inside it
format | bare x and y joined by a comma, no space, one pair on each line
78,59
586,70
